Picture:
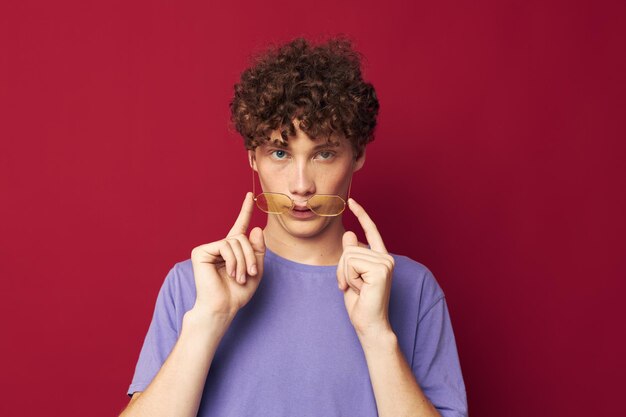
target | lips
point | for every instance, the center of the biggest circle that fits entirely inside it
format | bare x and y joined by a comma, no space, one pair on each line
302,214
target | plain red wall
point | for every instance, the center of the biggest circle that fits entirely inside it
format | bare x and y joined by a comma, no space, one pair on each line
498,163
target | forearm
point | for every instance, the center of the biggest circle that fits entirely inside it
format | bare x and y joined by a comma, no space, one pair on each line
396,391
177,388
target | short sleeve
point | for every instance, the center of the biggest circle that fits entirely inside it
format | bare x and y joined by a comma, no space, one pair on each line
160,338
435,361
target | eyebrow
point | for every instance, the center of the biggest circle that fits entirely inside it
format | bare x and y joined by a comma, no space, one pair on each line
326,145
320,146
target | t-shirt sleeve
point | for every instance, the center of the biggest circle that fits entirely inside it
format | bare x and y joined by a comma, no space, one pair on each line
160,338
435,362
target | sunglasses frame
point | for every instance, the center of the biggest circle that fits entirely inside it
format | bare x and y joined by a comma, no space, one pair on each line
293,203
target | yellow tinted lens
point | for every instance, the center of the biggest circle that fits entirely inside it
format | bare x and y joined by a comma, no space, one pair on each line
273,203
327,205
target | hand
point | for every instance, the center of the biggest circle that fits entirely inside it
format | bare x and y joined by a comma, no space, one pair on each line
364,276
228,272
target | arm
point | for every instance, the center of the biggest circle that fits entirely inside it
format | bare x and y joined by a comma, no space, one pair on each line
364,276
435,364
177,388
396,391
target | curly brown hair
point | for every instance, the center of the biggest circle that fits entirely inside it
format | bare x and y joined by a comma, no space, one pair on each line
319,85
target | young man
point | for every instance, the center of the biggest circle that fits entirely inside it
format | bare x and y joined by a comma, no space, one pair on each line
299,318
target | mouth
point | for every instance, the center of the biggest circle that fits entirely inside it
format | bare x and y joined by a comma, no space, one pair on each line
302,213
300,208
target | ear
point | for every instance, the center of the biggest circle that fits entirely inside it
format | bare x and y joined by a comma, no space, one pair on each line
252,159
358,163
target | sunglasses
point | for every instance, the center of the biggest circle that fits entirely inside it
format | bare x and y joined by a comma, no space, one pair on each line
325,205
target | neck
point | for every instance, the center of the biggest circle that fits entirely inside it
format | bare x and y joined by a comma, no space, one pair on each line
323,249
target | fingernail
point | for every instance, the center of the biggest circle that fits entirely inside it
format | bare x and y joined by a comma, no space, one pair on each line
242,279
253,269
232,273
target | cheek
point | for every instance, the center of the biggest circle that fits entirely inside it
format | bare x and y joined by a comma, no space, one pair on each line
339,178
272,178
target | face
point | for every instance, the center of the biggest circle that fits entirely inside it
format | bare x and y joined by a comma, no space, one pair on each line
301,169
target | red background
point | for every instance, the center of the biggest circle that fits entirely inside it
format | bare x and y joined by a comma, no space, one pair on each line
498,163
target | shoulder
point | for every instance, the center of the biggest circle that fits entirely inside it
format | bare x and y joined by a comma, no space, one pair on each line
407,264
184,269
180,280
411,275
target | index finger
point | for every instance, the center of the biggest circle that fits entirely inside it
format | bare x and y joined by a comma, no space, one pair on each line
372,235
243,220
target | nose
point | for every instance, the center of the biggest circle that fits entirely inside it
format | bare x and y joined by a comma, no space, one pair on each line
302,181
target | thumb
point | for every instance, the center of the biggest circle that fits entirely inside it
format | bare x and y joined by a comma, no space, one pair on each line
349,239
257,241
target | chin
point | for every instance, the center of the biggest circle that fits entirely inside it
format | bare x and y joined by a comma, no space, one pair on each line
306,229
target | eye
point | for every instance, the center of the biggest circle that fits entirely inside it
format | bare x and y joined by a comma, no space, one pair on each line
326,155
279,153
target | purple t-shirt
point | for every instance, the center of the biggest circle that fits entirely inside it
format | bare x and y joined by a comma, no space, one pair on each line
292,351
